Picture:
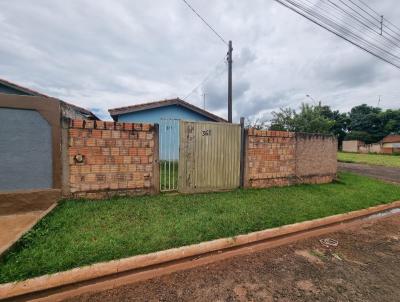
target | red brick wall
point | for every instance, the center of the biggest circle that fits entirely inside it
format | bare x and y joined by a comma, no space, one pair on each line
118,158
270,158
279,158
387,150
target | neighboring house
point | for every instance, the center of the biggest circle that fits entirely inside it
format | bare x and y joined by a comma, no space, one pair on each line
371,148
167,114
154,112
352,146
391,144
31,137
388,145
357,146
68,110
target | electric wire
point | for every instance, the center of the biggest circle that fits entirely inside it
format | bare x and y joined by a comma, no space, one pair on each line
365,10
353,23
337,7
212,73
362,27
346,30
331,28
379,15
206,23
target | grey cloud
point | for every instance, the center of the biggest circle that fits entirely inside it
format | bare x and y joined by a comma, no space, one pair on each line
246,56
261,106
107,53
350,73
216,92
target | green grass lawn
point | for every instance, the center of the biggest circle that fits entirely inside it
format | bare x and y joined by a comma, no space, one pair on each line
78,233
370,159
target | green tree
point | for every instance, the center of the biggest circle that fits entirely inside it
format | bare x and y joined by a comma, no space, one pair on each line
359,136
341,120
309,119
363,122
371,124
391,121
283,120
364,118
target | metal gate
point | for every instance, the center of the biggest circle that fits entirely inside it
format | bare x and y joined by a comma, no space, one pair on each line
169,154
26,150
209,157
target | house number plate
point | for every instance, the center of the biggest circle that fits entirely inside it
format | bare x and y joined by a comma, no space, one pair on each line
206,132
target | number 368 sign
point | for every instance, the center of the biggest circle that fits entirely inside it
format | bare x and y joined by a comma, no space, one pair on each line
206,132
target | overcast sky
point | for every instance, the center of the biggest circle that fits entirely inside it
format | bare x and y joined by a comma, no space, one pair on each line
110,53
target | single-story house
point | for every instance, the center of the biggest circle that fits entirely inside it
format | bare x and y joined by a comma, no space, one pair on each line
31,139
167,114
155,112
68,110
352,145
391,144
388,145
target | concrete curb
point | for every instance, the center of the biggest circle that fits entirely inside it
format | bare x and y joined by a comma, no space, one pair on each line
86,273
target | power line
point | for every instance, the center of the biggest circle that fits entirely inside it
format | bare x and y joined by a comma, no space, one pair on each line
365,10
366,5
372,23
206,78
363,27
351,25
383,20
349,30
206,23
335,28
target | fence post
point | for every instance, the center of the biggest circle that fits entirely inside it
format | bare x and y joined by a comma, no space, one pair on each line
242,153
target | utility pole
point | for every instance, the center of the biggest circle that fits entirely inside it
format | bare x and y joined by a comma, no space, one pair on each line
230,82
204,101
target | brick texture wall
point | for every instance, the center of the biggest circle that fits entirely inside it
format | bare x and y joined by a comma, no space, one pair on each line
270,158
279,158
109,158
316,160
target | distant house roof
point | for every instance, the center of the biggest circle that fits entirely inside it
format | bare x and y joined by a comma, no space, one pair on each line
151,105
391,138
31,92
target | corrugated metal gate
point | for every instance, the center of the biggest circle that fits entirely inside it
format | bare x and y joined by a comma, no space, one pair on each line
209,156
25,150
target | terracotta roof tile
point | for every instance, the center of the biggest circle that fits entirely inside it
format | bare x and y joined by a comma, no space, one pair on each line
391,138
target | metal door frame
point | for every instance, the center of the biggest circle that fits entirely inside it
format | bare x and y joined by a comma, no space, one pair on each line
169,154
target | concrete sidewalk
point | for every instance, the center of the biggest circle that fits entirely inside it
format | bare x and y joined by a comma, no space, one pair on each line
15,225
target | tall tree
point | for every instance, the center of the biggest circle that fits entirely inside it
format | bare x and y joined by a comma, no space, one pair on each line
309,119
363,122
341,122
391,120
283,120
374,123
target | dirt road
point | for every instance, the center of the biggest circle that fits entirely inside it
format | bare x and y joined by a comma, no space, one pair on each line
365,266
380,172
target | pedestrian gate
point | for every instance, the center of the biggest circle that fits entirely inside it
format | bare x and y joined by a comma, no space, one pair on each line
209,156
169,154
